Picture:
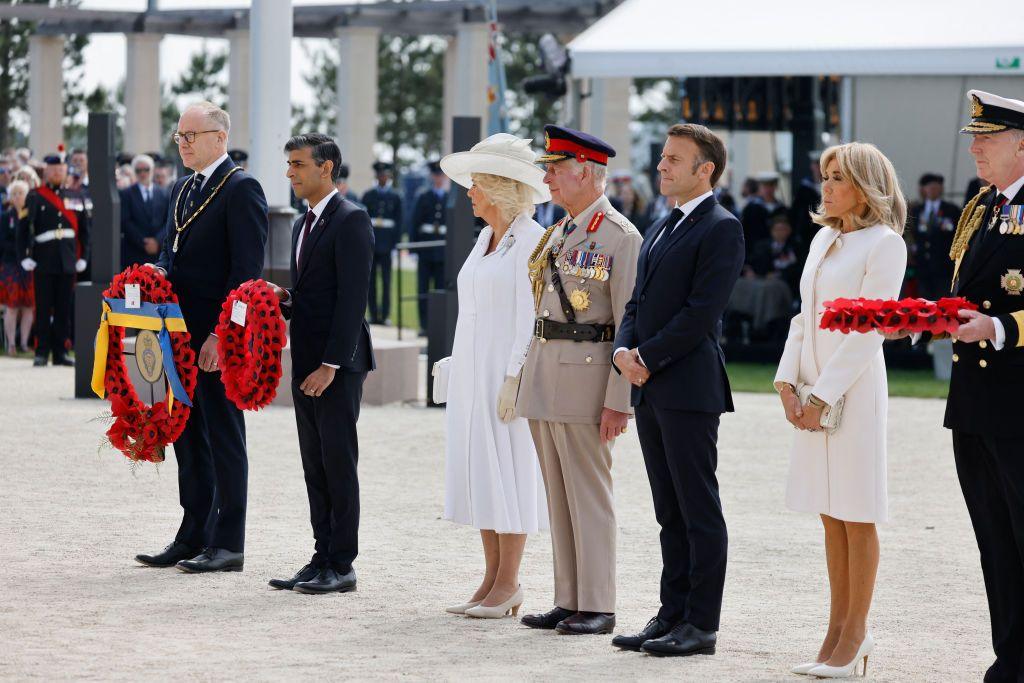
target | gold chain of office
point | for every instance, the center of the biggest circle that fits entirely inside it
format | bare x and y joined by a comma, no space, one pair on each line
178,229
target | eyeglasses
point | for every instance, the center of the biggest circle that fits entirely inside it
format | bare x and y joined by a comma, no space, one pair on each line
190,136
142,169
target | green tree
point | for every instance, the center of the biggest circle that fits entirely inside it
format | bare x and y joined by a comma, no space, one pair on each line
203,78
527,113
14,70
410,96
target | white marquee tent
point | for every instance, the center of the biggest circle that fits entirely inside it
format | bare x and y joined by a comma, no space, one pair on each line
656,38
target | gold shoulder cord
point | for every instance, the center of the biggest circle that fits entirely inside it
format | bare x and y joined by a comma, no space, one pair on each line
970,221
538,260
178,229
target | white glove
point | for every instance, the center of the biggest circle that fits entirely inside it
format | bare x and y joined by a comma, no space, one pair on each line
156,268
80,265
28,264
507,399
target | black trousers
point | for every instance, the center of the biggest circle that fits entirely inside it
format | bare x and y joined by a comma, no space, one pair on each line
429,276
681,454
330,452
380,302
991,473
53,297
213,469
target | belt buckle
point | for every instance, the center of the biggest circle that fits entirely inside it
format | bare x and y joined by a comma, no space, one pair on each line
59,234
538,330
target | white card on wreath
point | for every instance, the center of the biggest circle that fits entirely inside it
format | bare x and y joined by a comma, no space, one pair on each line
238,313
132,296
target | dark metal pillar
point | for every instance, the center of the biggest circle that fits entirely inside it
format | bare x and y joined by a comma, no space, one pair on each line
443,304
105,235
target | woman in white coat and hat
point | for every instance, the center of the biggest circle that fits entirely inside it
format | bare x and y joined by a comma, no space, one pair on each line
841,476
492,475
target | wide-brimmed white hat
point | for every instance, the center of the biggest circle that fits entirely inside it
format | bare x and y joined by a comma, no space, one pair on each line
502,155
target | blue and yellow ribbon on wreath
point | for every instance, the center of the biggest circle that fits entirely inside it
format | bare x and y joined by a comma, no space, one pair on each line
160,318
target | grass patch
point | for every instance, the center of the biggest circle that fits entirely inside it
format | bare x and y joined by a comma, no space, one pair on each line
758,378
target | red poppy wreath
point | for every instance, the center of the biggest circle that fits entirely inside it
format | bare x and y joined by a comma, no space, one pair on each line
905,315
141,431
251,334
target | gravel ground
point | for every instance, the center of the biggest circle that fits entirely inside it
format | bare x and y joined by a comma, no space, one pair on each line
77,607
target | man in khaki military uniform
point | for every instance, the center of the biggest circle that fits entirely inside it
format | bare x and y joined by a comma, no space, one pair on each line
583,272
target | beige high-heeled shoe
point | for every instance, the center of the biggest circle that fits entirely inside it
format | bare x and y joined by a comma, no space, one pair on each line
461,609
849,670
510,606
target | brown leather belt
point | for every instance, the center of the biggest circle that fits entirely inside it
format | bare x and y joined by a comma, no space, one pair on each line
545,330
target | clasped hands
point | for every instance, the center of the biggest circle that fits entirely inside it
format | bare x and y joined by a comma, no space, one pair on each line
628,363
805,417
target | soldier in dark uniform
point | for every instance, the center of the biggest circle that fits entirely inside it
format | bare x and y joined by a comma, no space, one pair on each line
930,233
53,243
342,185
428,224
385,208
988,369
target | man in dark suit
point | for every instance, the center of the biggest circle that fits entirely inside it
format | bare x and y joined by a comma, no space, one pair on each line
932,223
143,215
667,346
53,244
385,208
428,224
216,236
332,249
806,198
757,214
988,369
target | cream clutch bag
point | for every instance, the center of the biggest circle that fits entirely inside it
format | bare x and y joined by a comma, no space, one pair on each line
830,415
440,373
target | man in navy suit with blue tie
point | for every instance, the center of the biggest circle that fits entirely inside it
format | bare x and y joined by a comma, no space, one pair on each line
215,239
667,346
332,253
143,215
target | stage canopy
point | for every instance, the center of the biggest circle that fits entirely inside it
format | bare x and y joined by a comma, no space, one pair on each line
676,38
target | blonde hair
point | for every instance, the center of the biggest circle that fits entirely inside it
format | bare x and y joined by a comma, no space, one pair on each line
27,175
510,196
874,176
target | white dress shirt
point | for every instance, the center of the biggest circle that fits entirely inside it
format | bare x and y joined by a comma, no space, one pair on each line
208,171
687,209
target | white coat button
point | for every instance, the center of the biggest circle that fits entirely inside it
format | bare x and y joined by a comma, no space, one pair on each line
590,359
551,288
547,313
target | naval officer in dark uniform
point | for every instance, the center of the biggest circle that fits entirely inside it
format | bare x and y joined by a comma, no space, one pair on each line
384,205
215,240
428,224
53,243
988,369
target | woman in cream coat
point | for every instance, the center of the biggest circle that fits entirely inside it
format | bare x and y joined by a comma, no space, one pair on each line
842,476
492,474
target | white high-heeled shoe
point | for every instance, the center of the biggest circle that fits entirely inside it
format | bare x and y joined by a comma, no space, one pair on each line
461,609
498,611
805,668
826,671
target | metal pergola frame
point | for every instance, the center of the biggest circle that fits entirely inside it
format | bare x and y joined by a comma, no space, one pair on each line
410,17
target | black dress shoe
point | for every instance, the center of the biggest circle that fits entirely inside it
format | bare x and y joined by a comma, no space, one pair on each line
213,560
304,574
655,628
547,619
169,556
328,580
63,360
682,641
39,362
586,623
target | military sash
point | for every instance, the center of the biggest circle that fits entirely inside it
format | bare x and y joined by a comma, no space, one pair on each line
56,202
